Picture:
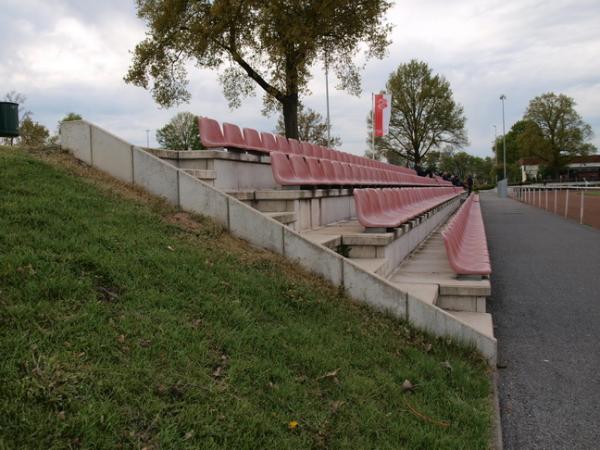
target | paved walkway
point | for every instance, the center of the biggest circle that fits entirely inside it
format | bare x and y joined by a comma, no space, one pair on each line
546,307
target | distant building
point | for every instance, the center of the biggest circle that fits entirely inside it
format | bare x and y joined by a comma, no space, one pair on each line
581,168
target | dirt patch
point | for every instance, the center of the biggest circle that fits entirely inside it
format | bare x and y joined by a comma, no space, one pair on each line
556,202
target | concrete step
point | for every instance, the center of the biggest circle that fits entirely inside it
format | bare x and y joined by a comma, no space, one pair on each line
282,217
374,265
427,293
481,322
470,303
204,175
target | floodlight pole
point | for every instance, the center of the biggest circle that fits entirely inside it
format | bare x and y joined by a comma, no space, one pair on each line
502,98
496,150
327,97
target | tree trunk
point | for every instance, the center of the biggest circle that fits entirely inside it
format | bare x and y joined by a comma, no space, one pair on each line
290,101
290,116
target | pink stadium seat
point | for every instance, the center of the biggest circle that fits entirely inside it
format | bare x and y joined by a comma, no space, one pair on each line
338,172
318,151
465,240
328,170
300,167
233,137
210,133
307,148
253,140
283,171
389,208
269,142
282,143
317,171
295,146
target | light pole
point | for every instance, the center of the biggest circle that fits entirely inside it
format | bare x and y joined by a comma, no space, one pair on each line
502,98
147,138
327,97
496,150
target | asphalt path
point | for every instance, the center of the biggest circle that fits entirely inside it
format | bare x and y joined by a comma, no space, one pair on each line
546,308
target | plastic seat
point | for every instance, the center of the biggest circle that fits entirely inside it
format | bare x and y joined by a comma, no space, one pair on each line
283,171
269,142
233,137
295,146
253,140
307,149
300,167
316,170
210,133
282,143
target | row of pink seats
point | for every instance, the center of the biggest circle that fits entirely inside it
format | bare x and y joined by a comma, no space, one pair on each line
465,240
249,139
390,208
298,170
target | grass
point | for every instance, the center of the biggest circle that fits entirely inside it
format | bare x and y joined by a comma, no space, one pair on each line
127,324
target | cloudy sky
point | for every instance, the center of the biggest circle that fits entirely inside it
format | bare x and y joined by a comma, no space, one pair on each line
71,55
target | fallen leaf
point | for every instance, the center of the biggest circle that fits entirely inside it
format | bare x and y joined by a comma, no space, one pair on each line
61,415
196,323
292,425
336,404
331,375
121,338
218,372
145,343
407,386
170,248
188,435
447,365
428,348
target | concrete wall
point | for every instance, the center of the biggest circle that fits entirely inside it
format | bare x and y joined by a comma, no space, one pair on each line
162,178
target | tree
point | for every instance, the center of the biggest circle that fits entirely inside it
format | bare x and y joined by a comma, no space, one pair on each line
70,117
269,43
424,114
32,134
555,132
181,133
311,128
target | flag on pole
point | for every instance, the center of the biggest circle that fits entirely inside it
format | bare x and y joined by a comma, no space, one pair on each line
382,109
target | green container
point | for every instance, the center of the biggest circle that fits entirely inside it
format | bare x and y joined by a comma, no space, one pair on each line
9,119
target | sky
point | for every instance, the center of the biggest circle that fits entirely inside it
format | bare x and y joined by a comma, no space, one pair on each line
71,56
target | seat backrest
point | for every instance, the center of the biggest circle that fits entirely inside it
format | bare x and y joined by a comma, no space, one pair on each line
338,172
252,139
269,142
282,143
210,133
328,171
307,148
300,167
318,151
316,169
233,136
295,146
282,169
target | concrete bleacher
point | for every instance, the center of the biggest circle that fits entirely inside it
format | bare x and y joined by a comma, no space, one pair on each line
314,222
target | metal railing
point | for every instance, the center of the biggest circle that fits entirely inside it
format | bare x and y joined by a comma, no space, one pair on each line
555,198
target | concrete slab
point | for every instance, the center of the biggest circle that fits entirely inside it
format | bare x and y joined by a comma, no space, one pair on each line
481,322
198,197
249,224
75,136
373,290
155,175
313,257
427,293
112,154
373,265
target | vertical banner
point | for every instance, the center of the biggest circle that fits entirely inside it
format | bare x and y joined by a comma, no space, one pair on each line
382,109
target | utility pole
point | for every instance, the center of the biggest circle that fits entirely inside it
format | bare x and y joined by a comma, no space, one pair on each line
147,138
502,98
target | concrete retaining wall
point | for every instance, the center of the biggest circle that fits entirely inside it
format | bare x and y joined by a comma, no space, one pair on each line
121,160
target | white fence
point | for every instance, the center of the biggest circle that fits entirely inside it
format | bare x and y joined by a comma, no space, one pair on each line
560,199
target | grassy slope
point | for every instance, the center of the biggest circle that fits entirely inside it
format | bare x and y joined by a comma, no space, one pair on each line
124,324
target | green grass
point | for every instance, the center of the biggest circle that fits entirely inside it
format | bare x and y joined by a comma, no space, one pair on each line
124,324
